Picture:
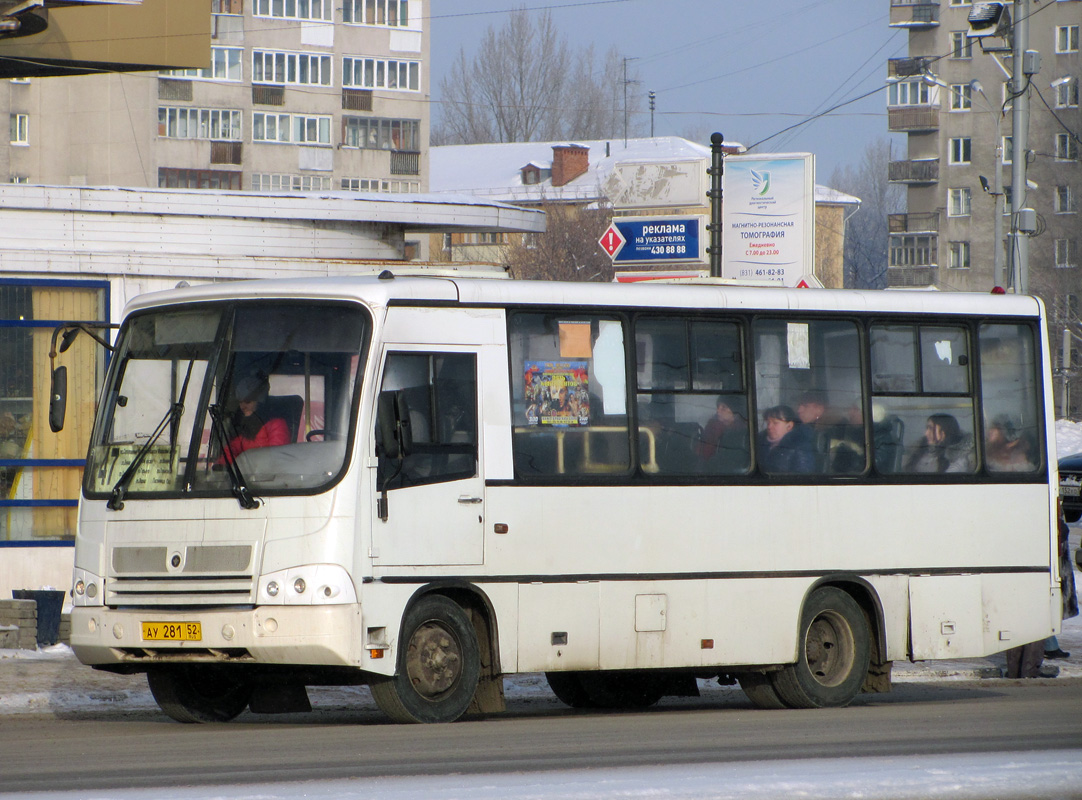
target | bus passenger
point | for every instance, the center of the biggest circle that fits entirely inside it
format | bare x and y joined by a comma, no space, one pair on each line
1005,450
783,445
723,443
252,430
944,449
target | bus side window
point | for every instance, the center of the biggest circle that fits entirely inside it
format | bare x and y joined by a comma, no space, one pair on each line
569,394
1011,440
922,405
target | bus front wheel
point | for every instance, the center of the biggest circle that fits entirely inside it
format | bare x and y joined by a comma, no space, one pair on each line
834,652
203,693
438,665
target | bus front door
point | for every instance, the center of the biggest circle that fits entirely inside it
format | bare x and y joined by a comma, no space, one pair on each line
431,500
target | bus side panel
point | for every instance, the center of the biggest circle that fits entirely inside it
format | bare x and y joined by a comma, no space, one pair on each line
558,626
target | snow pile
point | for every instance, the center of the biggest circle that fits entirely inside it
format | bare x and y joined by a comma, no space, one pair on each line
1068,437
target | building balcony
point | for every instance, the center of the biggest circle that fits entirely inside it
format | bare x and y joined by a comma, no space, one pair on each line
914,13
912,277
916,172
913,119
923,222
906,67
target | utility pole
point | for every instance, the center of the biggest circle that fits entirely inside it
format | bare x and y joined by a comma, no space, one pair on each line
716,170
1023,219
997,186
652,97
626,84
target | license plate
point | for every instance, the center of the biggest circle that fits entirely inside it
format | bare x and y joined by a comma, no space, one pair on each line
172,632
1069,490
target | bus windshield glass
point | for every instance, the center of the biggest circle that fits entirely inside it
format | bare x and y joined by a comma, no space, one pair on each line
198,396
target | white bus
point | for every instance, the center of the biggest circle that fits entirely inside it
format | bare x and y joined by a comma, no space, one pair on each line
424,484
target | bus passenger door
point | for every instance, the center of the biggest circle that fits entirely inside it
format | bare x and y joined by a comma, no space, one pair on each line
430,507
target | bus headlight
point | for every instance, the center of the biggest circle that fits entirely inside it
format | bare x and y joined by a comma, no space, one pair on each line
85,588
330,584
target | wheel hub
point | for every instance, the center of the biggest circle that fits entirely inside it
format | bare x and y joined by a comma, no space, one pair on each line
829,649
433,660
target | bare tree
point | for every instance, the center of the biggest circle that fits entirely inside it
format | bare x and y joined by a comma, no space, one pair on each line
525,83
568,250
867,232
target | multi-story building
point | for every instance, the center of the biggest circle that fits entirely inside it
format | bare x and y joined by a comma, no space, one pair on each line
950,96
299,95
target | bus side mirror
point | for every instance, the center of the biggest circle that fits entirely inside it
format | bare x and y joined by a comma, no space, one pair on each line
58,399
393,421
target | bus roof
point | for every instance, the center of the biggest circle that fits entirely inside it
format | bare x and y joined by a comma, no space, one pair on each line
376,291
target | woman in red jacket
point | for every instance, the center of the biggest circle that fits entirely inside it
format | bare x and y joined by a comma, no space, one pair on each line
252,429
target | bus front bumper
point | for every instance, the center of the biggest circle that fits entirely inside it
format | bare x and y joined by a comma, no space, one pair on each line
327,635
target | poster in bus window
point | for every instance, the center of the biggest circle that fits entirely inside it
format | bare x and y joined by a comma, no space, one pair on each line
557,393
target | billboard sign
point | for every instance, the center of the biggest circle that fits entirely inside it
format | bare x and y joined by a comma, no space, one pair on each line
655,240
768,218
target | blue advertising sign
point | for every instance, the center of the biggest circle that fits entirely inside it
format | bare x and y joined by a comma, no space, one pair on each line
641,240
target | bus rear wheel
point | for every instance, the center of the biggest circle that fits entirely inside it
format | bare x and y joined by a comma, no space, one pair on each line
438,668
834,652
204,693
760,690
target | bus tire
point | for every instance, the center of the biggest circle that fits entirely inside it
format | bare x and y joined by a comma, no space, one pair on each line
204,693
438,668
568,689
832,661
760,691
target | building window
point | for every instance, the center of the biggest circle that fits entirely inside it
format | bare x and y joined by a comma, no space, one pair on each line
959,255
382,185
1067,94
1065,200
199,123
20,129
1066,253
173,178
1067,39
293,9
381,73
374,133
39,476
265,182
227,7
19,179
1066,147
295,128
298,69
908,93
961,150
224,66
394,13
1007,149
912,251
961,45
960,202
961,97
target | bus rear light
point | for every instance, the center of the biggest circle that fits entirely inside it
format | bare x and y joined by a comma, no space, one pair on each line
272,588
299,586
375,653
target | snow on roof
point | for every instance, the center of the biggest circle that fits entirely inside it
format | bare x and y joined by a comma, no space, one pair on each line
495,170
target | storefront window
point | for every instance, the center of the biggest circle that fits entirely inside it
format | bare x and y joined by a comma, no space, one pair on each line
41,471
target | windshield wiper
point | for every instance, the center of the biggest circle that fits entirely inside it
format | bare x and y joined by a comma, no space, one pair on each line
236,477
172,417
116,499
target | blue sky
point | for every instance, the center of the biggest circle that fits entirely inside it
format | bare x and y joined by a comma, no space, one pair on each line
747,69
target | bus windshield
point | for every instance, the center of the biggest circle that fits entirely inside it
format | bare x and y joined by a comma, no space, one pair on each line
198,396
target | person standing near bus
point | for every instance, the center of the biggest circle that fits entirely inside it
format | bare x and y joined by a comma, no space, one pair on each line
783,445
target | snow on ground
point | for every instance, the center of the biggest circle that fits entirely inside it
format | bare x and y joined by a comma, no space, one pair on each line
1004,776
1068,437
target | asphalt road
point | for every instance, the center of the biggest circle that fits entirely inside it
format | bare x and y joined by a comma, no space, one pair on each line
117,747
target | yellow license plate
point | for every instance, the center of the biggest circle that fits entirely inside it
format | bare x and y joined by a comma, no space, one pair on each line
172,632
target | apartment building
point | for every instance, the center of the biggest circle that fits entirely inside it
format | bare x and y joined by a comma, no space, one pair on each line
951,98
299,95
